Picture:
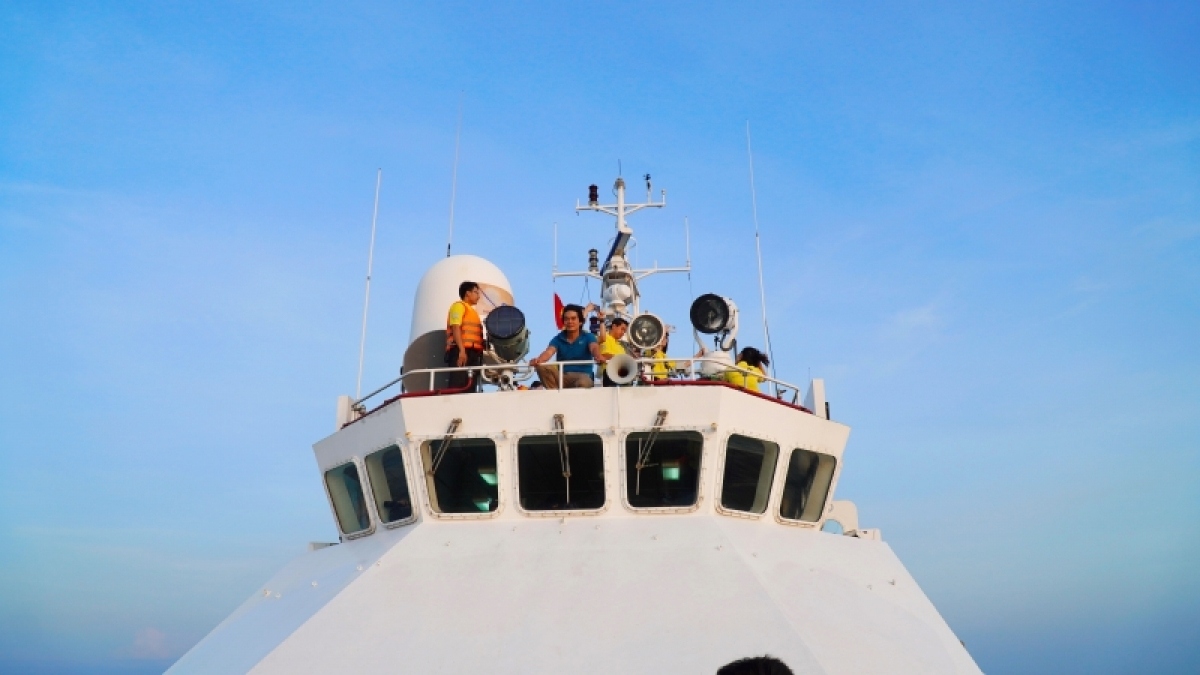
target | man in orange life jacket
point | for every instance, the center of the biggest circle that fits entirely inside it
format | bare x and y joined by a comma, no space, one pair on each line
464,337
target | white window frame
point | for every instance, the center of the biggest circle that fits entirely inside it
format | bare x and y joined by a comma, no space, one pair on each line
719,485
622,451
428,493
516,461
781,475
408,479
372,518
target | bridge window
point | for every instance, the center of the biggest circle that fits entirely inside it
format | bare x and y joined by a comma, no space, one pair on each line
663,471
346,493
389,484
462,478
749,471
806,486
542,463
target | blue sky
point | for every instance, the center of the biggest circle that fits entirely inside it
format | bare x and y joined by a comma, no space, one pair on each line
981,225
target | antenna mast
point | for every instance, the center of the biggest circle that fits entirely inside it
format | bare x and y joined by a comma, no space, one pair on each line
362,344
454,175
618,279
762,291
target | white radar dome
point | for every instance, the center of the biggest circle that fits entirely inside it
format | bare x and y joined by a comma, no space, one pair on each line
437,290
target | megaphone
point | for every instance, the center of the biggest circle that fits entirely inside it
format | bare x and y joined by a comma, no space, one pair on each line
622,369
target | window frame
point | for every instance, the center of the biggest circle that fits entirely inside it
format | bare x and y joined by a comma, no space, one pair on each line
772,492
829,493
625,477
368,498
429,492
408,479
558,513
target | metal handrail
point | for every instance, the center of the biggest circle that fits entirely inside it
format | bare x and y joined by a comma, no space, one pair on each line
523,371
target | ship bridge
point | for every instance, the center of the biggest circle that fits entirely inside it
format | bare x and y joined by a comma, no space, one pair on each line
650,529
678,448
675,524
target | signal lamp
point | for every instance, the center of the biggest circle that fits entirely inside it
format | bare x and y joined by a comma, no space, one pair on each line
647,332
710,314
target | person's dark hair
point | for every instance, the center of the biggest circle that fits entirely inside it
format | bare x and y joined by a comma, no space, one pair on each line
573,308
619,321
756,665
754,357
466,287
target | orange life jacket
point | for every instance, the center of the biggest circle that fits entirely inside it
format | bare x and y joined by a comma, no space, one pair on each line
472,330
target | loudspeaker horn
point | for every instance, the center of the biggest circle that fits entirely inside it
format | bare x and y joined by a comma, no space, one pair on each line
622,369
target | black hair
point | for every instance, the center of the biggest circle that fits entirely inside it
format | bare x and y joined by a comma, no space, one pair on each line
466,287
756,665
754,357
619,321
572,308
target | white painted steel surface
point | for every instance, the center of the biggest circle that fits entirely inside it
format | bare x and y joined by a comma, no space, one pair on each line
607,592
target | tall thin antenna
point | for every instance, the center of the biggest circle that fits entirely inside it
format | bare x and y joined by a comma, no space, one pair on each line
362,343
762,290
454,176
687,243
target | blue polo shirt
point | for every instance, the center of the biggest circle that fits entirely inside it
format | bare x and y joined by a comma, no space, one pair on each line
574,351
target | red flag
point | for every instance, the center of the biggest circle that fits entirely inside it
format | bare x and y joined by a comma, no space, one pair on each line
558,306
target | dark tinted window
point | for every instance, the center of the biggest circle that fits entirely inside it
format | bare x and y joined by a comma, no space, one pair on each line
465,480
389,485
670,472
806,485
541,463
345,490
749,470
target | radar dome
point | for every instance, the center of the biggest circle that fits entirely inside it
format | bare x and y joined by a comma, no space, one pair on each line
437,290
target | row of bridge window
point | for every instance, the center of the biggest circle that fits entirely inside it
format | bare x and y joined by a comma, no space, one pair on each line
566,473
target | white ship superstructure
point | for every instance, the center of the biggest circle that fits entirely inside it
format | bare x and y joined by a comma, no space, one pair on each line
666,526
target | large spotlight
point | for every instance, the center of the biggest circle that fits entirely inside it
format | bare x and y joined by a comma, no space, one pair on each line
647,332
711,314
507,333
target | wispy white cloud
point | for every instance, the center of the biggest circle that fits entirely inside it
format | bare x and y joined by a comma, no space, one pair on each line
150,643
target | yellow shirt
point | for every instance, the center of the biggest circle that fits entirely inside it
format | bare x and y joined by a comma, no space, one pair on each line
611,347
661,370
746,381
457,311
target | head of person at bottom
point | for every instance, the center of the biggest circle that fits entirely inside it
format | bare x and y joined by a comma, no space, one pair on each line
756,665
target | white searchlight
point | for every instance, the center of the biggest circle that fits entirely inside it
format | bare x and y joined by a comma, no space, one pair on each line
647,332
507,333
713,314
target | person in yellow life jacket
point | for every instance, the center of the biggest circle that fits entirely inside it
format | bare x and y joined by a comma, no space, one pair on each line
610,345
464,337
752,360
661,370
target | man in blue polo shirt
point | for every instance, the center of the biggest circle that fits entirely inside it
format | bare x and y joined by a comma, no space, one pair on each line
572,344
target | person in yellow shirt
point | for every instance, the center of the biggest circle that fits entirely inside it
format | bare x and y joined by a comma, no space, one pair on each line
610,344
661,370
752,360
464,337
